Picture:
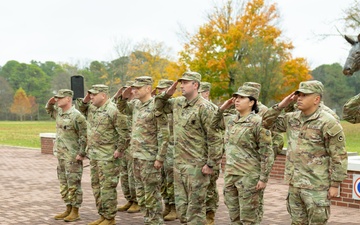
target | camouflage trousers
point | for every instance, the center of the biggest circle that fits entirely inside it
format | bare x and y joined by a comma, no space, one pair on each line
127,177
104,180
148,187
190,193
167,172
69,174
308,206
212,195
242,199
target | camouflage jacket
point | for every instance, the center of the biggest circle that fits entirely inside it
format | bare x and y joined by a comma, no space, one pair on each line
351,110
195,142
150,132
107,130
70,132
316,156
248,147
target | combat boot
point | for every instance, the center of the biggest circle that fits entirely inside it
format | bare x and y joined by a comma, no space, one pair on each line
124,207
210,218
61,216
172,214
134,208
108,222
166,210
74,215
97,222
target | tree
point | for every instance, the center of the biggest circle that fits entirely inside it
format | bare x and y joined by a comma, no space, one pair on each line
241,43
6,94
352,16
21,105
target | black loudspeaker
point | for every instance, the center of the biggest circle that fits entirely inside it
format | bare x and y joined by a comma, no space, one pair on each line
77,86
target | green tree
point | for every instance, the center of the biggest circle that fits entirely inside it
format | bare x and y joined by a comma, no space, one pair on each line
21,105
352,16
6,95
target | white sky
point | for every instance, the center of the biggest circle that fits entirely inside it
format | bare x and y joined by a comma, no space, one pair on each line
84,30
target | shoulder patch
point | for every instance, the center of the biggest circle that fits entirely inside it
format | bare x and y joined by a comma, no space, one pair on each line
340,138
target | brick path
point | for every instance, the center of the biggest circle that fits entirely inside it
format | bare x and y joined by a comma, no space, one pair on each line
29,194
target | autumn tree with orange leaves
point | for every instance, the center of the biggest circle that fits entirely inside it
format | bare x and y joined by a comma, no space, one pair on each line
242,43
21,105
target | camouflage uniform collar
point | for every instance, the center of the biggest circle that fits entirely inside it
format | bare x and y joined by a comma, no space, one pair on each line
313,116
67,112
147,102
244,119
192,102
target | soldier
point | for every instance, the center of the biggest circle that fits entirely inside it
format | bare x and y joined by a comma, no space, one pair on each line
212,195
126,166
70,150
249,156
149,140
197,147
167,189
351,110
108,137
316,161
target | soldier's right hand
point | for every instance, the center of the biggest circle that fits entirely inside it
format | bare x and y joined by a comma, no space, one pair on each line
86,98
126,93
227,103
52,101
287,100
171,90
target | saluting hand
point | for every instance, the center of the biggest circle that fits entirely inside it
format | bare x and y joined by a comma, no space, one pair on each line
126,93
52,101
287,100
172,88
119,92
86,98
227,103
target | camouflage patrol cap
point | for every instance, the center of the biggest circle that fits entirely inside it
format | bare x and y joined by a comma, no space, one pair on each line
247,91
64,93
142,81
97,88
191,76
129,83
163,83
311,86
253,84
204,86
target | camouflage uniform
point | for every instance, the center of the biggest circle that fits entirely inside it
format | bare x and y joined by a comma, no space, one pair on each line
316,158
167,187
126,166
149,140
70,142
212,195
351,110
107,132
195,145
249,159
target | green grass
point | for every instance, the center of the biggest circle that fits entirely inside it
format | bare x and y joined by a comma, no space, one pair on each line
24,133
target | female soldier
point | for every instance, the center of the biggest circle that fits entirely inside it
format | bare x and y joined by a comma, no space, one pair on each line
249,156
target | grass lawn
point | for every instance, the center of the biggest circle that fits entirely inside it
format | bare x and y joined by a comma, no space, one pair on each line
26,134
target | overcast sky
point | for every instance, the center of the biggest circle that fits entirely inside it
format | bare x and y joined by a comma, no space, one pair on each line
84,30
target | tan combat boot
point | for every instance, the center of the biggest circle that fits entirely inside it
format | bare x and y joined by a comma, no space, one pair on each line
97,222
108,222
61,216
166,210
124,207
210,218
172,214
134,208
74,215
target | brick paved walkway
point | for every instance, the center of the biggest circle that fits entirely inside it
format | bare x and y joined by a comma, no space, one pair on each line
29,194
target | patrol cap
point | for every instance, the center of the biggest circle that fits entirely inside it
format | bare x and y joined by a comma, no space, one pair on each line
253,84
204,86
311,86
64,93
163,83
129,83
191,76
247,91
97,88
142,81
